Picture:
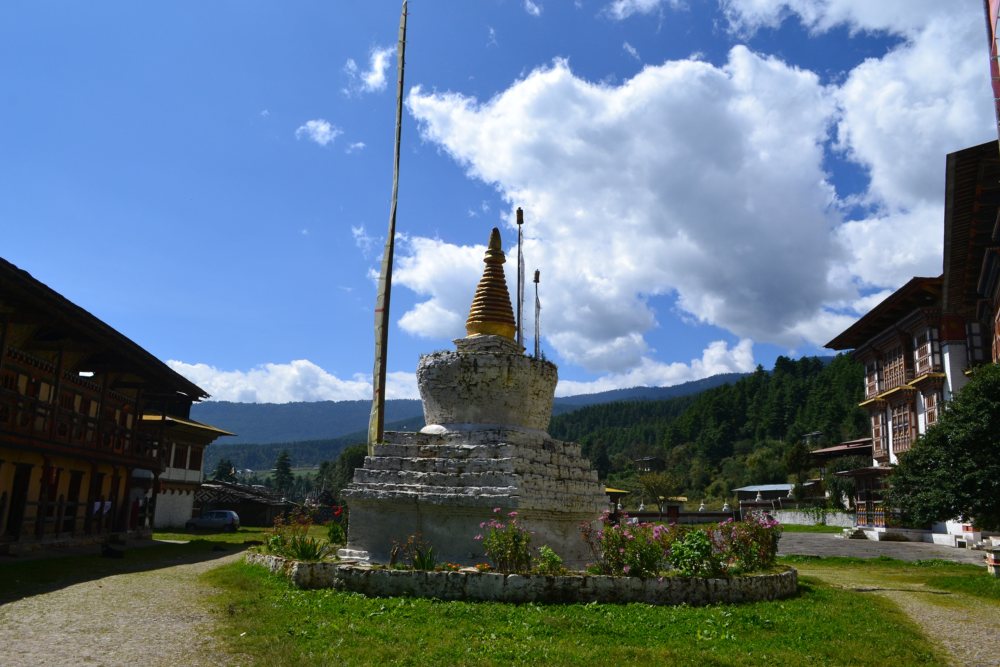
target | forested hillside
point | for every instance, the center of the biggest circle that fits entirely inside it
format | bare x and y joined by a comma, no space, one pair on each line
321,420
729,436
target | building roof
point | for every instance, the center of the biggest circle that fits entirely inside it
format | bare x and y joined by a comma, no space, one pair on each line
972,197
63,318
766,487
861,446
153,417
918,293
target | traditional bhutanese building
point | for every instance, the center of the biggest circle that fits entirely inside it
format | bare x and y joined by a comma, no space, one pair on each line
919,344
91,424
183,442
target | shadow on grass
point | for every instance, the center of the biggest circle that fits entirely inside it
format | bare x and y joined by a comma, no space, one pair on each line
21,579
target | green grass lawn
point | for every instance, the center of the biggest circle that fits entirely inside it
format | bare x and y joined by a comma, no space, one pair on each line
265,619
244,534
795,528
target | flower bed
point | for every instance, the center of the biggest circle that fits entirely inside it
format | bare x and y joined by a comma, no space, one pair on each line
493,587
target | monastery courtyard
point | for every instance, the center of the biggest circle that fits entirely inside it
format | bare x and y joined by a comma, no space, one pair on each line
119,619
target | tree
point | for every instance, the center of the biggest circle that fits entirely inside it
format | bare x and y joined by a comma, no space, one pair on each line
283,477
658,486
349,459
953,470
225,471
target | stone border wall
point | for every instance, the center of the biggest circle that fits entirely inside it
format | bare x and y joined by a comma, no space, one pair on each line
494,587
813,518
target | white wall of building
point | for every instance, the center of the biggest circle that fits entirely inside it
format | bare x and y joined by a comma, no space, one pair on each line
173,508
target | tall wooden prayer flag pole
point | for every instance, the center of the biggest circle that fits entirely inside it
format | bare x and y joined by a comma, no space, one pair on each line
377,421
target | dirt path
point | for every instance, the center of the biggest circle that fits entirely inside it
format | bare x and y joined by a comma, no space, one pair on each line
150,618
967,628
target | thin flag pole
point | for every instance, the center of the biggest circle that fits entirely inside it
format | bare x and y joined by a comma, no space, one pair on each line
376,423
538,315
520,279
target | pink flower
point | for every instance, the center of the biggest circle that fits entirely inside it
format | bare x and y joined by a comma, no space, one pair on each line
621,550
512,514
626,569
497,510
478,537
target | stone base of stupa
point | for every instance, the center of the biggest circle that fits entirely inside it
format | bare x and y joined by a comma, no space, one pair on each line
444,485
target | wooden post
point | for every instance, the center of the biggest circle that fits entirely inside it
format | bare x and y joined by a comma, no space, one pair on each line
376,422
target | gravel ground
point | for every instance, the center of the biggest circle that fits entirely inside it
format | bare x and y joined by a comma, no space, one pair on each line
156,617
968,629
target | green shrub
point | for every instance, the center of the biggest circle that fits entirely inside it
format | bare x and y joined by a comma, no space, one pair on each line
507,543
303,547
549,562
646,549
418,552
748,545
335,533
289,538
694,555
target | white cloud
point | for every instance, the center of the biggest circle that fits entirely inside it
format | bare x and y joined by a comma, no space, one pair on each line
491,39
739,234
631,50
362,240
898,16
318,130
622,9
372,79
445,273
355,147
532,8
899,115
299,380
915,238
717,358
707,184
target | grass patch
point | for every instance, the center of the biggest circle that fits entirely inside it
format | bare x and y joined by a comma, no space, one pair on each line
270,622
796,528
244,534
960,578
982,586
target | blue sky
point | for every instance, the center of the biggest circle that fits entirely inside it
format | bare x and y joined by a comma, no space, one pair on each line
706,184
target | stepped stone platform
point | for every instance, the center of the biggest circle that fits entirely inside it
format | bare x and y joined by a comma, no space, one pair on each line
443,485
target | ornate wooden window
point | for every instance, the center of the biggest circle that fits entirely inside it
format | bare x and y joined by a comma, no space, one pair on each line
871,378
975,347
894,369
926,351
902,432
932,403
879,435
195,462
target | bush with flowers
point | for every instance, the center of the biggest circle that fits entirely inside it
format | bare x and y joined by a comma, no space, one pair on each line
748,545
645,549
506,542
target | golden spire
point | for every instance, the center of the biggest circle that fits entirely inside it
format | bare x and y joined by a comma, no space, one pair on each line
491,312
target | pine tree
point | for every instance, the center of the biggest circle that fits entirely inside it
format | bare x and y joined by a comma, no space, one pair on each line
283,478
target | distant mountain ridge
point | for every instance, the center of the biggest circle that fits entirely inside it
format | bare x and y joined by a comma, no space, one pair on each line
264,423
